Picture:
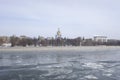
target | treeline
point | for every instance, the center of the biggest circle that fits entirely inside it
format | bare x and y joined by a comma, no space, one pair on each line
41,41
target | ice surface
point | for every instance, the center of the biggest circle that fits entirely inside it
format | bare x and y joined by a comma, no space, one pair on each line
60,65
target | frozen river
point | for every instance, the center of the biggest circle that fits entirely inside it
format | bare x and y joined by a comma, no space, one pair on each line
60,65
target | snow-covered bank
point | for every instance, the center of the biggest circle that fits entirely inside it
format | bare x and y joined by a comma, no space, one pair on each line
68,48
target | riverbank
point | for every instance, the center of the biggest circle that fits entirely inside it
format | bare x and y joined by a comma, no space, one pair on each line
67,48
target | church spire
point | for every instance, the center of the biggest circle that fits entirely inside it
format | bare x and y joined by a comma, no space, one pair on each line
58,35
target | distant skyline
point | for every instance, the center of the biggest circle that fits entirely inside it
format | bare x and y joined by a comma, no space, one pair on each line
75,18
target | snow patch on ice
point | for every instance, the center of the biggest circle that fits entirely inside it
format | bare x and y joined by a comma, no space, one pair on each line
108,72
108,75
90,77
93,65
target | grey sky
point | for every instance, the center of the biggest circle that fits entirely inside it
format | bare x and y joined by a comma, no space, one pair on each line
74,17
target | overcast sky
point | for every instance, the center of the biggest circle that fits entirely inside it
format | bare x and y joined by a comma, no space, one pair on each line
73,17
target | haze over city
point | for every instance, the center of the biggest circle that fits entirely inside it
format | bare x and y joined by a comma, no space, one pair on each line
73,17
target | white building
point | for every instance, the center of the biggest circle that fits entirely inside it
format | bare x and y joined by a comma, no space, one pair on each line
6,45
100,38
